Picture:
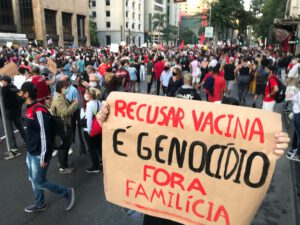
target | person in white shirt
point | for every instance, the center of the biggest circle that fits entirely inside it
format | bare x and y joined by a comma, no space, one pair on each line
165,77
295,155
94,143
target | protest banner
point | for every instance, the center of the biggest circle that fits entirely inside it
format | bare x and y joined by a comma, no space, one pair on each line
189,161
114,48
10,69
52,66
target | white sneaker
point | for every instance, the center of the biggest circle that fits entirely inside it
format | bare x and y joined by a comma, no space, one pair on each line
54,153
294,157
292,152
70,151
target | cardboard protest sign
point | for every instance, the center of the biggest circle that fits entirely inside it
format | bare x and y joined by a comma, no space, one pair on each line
188,161
114,48
52,66
10,69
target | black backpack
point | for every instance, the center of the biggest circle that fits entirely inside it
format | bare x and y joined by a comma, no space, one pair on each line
59,129
280,95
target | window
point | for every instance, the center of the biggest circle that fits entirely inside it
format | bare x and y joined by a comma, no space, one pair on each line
93,3
126,24
133,4
126,14
107,2
139,26
133,26
139,6
133,15
81,28
158,8
107,13
6,15
50,19
94,14
107,24
26,14
126,3
159,1
67,23
139,16
108,39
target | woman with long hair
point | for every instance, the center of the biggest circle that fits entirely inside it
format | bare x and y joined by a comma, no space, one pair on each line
94,142
175,82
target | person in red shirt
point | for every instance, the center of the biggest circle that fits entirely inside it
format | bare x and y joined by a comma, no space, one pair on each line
271,90
103,66
43,90
219,86
158,69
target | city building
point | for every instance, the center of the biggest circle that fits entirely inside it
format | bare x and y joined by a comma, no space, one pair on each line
119,20
59,23
153,7
291,24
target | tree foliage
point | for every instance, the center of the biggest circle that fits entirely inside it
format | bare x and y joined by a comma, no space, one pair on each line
188,36
93,33
270,9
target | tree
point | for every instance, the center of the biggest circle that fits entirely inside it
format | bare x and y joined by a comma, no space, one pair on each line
158,24
170,33
271,9
93,33
256,7
188,36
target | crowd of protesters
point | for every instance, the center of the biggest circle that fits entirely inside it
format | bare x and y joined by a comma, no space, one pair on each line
75,92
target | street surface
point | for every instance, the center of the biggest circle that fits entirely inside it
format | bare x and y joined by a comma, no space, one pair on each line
279,207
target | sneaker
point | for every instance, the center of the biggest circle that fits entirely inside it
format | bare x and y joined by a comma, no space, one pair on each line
14,150
294,157
92,170
66,170
34,208
70,151
70,199
54,153
292,152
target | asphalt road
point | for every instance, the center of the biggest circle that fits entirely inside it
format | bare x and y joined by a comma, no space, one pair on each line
91,208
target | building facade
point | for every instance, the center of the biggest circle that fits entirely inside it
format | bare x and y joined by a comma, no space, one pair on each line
119,20
66,23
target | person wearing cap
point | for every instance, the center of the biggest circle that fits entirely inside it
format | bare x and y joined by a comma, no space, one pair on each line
165,77
13,108
39,150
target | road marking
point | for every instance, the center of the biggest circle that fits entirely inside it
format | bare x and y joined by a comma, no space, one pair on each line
16,131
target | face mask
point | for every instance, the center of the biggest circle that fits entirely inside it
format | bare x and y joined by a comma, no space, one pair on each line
174,74
93,84
167,68
86,97
66,91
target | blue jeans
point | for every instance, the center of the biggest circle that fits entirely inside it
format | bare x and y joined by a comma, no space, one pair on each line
297,130
37,176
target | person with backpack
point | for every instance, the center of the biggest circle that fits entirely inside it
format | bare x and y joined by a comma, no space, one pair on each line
63,109
243,79
261,78
270,90
39,151
94,142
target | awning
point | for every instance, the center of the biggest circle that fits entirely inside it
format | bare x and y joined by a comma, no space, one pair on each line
20,39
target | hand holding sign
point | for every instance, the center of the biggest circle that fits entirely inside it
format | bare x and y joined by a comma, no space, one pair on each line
185,175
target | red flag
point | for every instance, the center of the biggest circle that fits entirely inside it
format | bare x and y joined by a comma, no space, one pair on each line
182,45
202,39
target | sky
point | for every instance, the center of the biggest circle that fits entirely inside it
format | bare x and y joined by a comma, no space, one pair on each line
195,2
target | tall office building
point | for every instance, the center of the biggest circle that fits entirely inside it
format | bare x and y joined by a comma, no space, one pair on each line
119,20
66,23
